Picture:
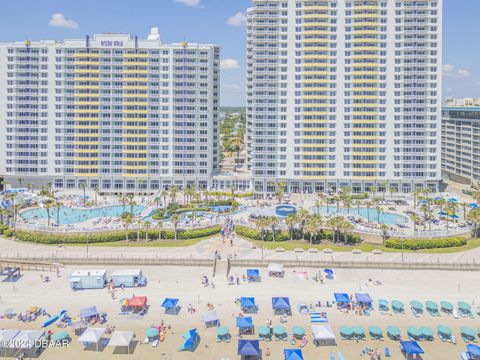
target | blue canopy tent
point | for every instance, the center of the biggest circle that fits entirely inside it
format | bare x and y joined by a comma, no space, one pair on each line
250,348
190,340
171,305
88,312
474,206
410,348
253,275
248,304
474,351
363,299
293,354
341,299
245,324
281,305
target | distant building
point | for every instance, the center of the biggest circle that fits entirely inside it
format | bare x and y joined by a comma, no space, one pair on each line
461,141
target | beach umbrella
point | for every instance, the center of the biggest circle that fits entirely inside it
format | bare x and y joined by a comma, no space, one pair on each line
152,332
426,332
453,216
473,350
443,213
393,331
416,305
346,331
279,330
414,332
383,304
222,331
464,307
473,206
358,331
452,200
298,331
397,305
446,306
444,330
431,305
123,302
375,331
468,332
61,335
264,331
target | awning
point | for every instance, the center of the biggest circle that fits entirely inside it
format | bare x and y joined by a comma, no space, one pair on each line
473,350
276,268
88,312
137,301
209,317
247,302
121,338
244,322
363,298
170,303
248,347
293,354
26,339
410,347
280,303
74,279
253,272
323,332
92,335
341,297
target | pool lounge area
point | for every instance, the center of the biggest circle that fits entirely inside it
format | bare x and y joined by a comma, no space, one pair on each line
363,212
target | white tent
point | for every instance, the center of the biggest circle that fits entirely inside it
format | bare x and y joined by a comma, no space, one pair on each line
121,338
323,335
92,335
7,335
26,339
275,268
210,317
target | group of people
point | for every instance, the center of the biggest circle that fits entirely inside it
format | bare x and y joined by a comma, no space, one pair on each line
228,230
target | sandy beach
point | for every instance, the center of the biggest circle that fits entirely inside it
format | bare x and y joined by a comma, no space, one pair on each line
185,283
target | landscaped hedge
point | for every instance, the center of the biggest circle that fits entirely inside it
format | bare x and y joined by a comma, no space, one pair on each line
113,236
418,244
254,234
3,227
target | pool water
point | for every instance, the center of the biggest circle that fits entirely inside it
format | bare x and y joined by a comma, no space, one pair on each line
385,217
69,216
220,208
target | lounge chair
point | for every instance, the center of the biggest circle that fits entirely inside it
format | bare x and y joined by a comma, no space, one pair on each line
147,340
155,342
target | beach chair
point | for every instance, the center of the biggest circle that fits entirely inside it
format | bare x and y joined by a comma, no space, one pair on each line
155,342
147,340
332,356
340,356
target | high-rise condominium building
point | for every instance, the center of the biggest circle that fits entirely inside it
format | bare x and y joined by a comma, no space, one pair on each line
344,93
461,141
110,111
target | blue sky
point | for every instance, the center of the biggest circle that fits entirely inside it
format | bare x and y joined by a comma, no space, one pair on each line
219,22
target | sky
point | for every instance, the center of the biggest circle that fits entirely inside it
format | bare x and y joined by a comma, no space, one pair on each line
221,22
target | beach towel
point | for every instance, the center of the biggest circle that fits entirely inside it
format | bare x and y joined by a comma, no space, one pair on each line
316,317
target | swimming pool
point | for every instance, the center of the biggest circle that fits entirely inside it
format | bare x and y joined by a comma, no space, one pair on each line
69,216
385,217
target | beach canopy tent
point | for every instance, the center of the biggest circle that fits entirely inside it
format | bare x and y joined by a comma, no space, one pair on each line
170,304
473,350
7,335
61,335
281,304
410,348
88,312
137,301
474,206
121,338
244,322
341,298
92,335
190,339
248,303
253,275
275,270
77,325
363,299
210,318
26,339
323,335
222,331
293,354
248,347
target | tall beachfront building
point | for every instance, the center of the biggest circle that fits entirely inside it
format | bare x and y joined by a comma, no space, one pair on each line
344,93
110,111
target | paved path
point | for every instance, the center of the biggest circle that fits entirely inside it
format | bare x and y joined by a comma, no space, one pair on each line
241,249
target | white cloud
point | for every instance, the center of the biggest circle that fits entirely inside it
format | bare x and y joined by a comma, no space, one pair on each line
239,19
192,3
451,70
59,20
229,64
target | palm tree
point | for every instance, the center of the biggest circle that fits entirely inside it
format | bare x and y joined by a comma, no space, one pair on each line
339,226
175,220
127,220
123,200
47,207
83,186
58,205
429,218
303,216
358,203
464,206
337,200
392,190
164,196
131,203
160,228
139,226
416,195
20,181
262,226
368,204
280,191
474,217
440,203
318,204
476,196
173,193
416,220
450,209
347,203
291,221
273,222
379,210
313,226
146,227
384,230
96,191
383,185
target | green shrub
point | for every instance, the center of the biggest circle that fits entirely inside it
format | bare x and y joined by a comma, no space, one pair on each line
8,232
418,244
3,227
198,233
